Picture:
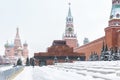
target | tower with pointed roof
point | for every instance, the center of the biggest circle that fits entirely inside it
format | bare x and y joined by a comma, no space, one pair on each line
17,41
17,44
69,35
112,32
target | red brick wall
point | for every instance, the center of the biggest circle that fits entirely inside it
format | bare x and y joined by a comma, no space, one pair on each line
61,49
119,39
50,62
112,36
71,42
94,46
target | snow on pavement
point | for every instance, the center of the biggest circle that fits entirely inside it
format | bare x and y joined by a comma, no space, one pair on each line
26,74
73,71
46,73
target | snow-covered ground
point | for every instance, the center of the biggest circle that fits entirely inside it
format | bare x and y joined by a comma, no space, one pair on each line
97,70
3,68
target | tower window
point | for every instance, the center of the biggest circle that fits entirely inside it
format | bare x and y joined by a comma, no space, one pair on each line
117,15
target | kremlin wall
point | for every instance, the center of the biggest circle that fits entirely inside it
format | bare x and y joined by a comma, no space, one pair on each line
94,46
112,34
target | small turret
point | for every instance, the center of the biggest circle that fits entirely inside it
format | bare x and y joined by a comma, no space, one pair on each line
25,44
6,45
25,50
86,40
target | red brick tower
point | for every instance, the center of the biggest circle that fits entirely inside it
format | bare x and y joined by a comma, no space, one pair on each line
69,36
112,33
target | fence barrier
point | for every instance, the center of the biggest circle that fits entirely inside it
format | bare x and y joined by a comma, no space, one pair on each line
8,74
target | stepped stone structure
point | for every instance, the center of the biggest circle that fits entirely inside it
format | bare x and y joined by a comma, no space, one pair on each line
58,52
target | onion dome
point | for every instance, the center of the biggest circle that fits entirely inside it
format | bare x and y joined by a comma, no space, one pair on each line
25,44
6,45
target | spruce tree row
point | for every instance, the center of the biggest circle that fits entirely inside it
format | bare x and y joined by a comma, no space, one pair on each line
28,62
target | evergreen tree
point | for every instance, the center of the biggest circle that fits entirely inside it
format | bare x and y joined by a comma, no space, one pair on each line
32,62
106,48
116,49
55,60
67,59
27,62
19,62
103,47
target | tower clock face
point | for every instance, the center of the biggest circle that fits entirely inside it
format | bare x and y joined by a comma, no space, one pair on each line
69,19
70,29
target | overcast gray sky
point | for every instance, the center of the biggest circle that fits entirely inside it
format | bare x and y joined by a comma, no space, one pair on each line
42,21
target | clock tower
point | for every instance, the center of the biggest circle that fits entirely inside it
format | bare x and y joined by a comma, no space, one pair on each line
69,36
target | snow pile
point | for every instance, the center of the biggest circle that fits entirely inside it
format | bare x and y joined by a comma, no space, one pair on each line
3,68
